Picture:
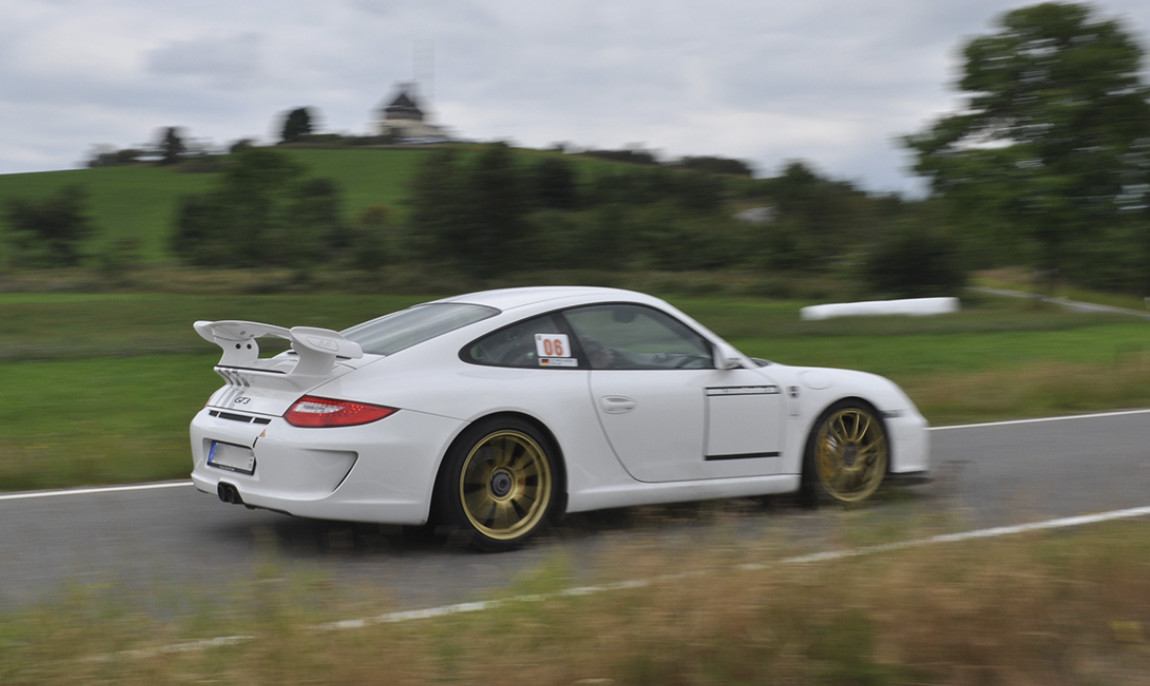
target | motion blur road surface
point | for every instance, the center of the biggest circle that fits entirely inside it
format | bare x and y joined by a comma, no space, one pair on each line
169,536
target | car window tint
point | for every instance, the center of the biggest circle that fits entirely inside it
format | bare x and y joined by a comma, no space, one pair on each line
391,333
518,346
624,336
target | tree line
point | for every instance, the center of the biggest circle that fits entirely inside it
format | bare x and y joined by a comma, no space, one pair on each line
496,213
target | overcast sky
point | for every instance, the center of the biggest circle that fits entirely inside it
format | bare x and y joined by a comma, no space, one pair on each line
831,82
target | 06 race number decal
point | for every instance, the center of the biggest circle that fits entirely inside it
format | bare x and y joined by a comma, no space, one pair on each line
552,345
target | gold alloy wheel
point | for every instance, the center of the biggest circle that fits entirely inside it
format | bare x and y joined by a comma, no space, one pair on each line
851,454
505,485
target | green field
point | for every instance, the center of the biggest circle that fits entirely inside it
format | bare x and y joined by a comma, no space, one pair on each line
99,388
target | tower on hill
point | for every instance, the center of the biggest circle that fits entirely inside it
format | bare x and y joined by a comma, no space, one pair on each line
403,120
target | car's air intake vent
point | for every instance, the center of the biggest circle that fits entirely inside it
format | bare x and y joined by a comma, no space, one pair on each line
239,417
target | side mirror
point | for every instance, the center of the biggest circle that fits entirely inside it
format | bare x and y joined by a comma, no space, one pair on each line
724,359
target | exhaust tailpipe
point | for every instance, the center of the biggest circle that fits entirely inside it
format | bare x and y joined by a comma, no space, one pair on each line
229,494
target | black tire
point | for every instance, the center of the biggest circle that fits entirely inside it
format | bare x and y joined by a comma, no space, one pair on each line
847,454
499,483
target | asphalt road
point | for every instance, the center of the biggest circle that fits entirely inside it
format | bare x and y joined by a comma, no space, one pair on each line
157,540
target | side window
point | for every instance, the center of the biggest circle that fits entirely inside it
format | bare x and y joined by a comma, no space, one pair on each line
534,343
624,336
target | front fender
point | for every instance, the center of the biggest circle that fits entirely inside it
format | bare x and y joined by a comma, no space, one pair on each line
810,391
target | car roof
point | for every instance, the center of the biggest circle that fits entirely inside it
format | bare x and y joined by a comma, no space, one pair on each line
505,299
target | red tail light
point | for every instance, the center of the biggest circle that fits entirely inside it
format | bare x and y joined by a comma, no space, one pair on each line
313,411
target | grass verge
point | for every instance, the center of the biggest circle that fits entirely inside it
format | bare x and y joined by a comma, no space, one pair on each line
112,420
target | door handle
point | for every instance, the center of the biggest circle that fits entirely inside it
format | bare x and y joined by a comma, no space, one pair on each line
616,404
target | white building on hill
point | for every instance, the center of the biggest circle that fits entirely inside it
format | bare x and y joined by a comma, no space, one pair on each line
404,121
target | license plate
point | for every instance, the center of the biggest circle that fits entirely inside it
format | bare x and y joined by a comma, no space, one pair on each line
234,458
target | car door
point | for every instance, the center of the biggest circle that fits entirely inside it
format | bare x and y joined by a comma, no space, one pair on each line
668,413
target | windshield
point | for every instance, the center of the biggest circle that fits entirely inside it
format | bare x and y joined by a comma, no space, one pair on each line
400,330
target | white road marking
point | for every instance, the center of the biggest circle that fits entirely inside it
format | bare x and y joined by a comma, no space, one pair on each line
1040,420
992,532
31,495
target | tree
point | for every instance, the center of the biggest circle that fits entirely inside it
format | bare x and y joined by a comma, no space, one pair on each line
913,260
316,227
554,184
49,233
262,212
241,145
200,231
473,212
1055,110
110,156
297,124
439,205
498,224
816,221
717,165
171,146
370,234
700,191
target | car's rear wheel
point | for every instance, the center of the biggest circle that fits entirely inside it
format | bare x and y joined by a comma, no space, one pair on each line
499,483
847,453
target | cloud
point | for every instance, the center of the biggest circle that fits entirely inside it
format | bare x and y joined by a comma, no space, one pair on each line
215,62
828,81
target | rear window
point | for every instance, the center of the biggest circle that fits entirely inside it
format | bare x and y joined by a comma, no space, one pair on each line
400,330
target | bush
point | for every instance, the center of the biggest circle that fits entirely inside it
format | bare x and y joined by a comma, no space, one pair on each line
49,233
263,211
913,261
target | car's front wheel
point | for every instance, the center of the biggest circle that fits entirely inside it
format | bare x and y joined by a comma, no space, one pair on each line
847,453
498,484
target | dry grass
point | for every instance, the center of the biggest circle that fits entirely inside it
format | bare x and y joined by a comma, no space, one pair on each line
1051,608
1042,388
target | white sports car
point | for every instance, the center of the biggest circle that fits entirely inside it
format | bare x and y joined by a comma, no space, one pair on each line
495,412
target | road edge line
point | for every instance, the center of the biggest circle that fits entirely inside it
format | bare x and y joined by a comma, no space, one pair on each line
97,490
1040,420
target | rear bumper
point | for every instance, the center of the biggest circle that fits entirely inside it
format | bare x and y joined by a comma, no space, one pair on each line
381,472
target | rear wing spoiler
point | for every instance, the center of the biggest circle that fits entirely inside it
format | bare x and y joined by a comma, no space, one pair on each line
316,348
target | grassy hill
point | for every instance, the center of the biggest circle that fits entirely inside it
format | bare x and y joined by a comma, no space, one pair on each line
125,202
139,202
